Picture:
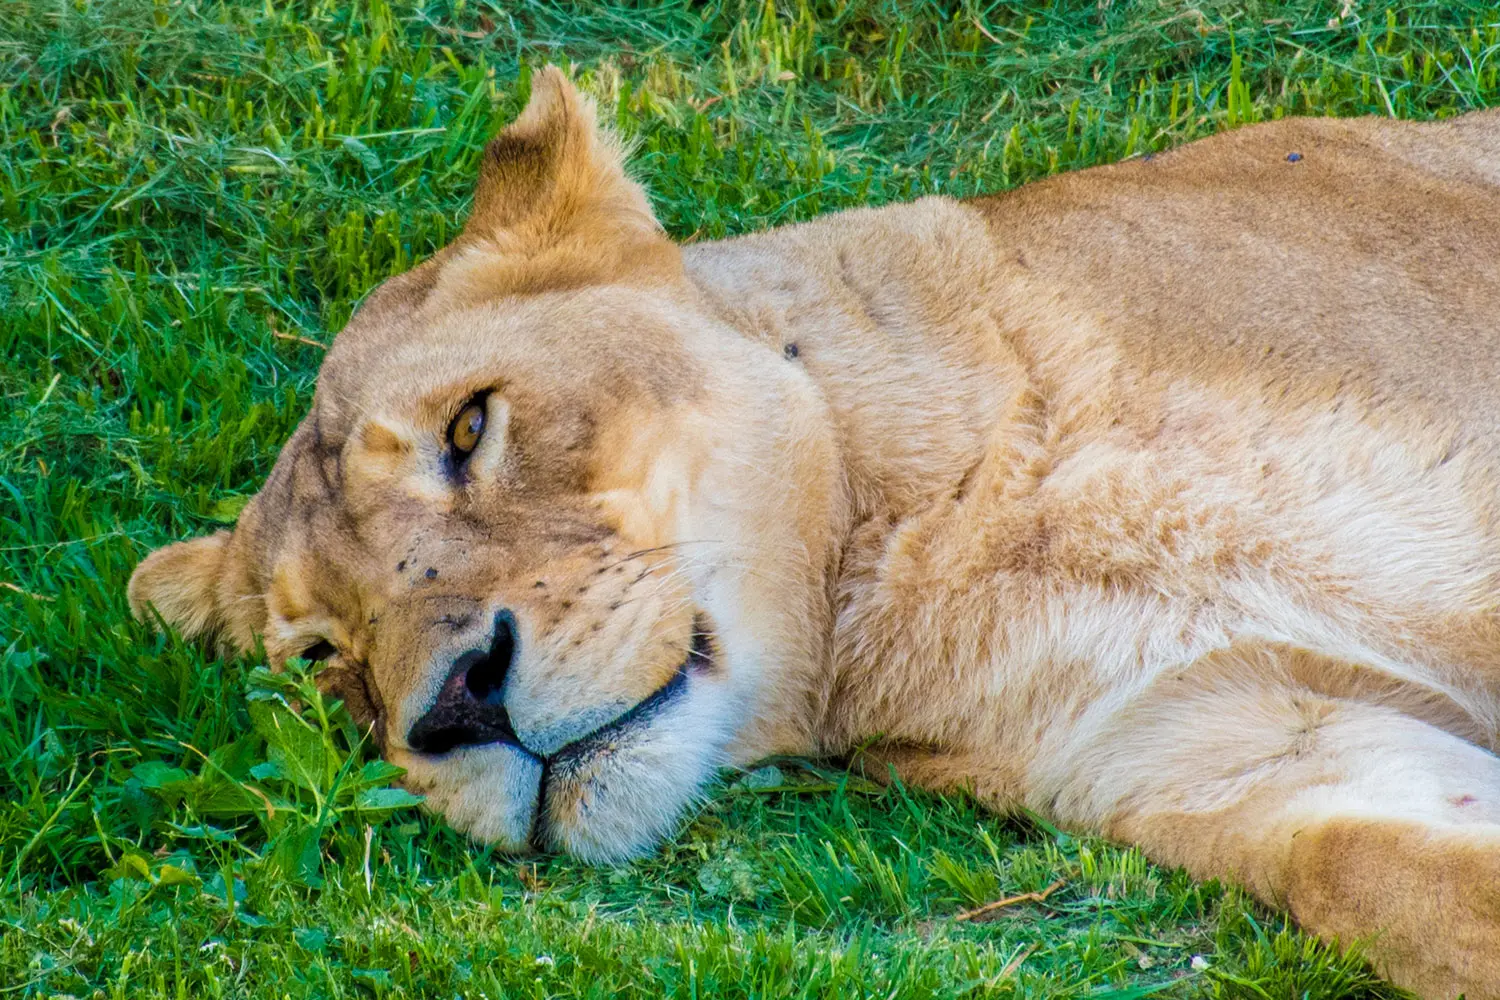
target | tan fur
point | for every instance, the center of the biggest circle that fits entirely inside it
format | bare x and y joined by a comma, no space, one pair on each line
1157,497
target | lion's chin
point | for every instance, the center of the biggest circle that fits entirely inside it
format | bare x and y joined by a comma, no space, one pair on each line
613,797
489,792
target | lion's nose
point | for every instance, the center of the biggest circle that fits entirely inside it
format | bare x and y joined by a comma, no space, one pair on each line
469,709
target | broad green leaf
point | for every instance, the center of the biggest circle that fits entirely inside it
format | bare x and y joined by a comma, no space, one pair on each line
267,771
310,939
374,773
296,855
291,744
155,774
168,875
129,866
384,800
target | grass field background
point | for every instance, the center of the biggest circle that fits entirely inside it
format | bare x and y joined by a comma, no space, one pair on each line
193,197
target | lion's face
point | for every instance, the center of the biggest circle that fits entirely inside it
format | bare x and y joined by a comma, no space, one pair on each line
563,537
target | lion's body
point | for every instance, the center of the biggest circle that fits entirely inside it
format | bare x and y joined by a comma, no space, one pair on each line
1145,411
1159,498
1150,452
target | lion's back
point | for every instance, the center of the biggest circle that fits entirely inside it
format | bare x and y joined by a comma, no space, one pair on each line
1319,257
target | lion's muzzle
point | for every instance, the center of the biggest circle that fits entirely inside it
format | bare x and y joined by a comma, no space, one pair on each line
602,782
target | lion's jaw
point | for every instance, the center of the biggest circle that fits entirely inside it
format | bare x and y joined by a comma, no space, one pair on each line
562,631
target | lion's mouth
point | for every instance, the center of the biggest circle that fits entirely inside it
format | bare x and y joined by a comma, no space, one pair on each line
573,762
700,659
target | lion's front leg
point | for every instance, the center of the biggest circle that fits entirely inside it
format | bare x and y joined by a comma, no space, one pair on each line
1431,892
1365,823
1423,895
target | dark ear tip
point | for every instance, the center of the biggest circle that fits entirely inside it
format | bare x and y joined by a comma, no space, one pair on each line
511,146
551,81
553,98
554,182
522,159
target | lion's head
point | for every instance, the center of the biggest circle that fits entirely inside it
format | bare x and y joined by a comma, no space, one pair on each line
563,535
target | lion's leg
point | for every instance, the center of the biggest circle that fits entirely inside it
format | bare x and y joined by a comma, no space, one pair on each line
1363,822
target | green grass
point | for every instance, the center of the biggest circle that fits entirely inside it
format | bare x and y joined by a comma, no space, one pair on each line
187,188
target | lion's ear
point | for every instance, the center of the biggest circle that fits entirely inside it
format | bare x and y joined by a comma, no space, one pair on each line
554,207
181,582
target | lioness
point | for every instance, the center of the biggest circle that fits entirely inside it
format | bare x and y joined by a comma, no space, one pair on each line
1160,498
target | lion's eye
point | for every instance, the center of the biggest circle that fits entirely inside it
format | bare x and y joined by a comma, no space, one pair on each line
467,428
318,651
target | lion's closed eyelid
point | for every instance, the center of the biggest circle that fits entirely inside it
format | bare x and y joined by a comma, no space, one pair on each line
319,651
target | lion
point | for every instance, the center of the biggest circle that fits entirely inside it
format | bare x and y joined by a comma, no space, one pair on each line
1159,498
